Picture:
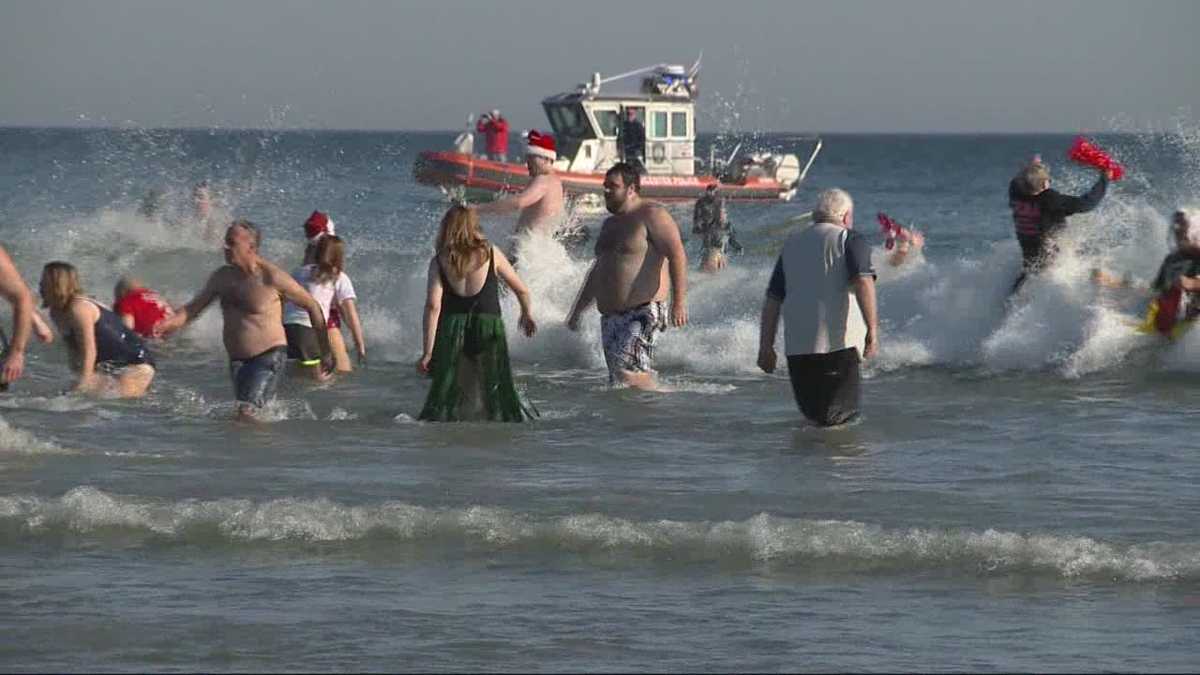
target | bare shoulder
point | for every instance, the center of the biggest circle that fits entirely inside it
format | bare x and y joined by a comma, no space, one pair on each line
654,211
273,274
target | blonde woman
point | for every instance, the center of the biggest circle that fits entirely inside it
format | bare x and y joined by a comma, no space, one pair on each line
325,279
465,348
108,356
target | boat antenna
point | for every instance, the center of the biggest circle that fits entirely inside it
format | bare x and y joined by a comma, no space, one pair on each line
812,158
735,152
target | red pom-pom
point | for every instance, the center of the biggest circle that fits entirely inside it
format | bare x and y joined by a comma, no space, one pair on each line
890,229
1084,152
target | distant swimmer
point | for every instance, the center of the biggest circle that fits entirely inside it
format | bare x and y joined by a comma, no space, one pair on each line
1040,214
541,203
139,308
899,240
710,220
250,290
25,321
203,212
824,285
465,347
107,355
494,128
326,281
639,256
153,204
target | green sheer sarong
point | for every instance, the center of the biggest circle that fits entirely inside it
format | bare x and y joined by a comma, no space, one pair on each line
472,379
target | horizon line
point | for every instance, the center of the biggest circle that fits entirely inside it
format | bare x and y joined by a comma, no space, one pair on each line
1035,132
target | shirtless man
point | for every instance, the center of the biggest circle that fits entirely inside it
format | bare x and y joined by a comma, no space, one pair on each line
541,202
638,255
25,320
249,289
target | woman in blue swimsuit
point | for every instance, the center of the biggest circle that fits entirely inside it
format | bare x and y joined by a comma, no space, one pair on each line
108,356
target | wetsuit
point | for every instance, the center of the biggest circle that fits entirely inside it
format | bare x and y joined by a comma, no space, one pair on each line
708,221
1175,266
1039,219
117,347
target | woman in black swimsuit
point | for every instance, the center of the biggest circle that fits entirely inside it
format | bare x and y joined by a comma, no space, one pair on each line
107,355
466,351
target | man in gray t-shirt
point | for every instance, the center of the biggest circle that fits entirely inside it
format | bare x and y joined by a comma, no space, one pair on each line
824,285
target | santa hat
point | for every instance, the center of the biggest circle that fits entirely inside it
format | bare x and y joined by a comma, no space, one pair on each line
541,145
317,226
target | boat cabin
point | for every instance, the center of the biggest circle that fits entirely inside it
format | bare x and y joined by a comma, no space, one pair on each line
588,123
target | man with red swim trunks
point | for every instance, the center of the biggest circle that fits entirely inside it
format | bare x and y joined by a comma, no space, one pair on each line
140,308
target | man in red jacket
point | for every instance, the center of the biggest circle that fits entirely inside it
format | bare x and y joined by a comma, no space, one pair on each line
495,129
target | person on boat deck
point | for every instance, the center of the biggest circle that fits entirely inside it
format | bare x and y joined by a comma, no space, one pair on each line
711,221
1040,214
107,355
465,348
326,281
541,202
139,308
495,130
633,141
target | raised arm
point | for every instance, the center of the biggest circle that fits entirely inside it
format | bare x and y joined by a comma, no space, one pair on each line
433,312
664,236
1088,201
505,271
531,195
14,290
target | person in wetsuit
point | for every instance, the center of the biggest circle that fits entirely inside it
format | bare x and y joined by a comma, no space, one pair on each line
1040,213
711,222
107,354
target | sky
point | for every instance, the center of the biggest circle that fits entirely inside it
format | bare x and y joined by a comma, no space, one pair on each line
845,66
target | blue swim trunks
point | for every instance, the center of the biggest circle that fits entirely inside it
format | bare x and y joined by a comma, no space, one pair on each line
255,379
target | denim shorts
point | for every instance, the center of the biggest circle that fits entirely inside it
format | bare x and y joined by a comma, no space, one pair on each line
255,379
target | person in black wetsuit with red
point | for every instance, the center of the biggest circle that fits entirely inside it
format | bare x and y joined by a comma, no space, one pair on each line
1040,213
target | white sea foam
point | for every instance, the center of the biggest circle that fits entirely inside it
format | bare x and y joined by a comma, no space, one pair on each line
796,543
15,441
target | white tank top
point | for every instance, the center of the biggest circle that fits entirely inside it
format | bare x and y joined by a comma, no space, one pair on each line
820,311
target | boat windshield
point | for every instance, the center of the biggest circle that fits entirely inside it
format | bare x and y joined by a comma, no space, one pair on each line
570,121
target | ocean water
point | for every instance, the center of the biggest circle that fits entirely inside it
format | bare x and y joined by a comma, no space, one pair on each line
1020,494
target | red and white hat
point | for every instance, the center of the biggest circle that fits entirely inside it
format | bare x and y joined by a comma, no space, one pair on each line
541,145
318,225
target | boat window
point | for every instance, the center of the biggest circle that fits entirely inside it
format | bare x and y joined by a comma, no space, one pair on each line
569,122
609,121
659,129
679,125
